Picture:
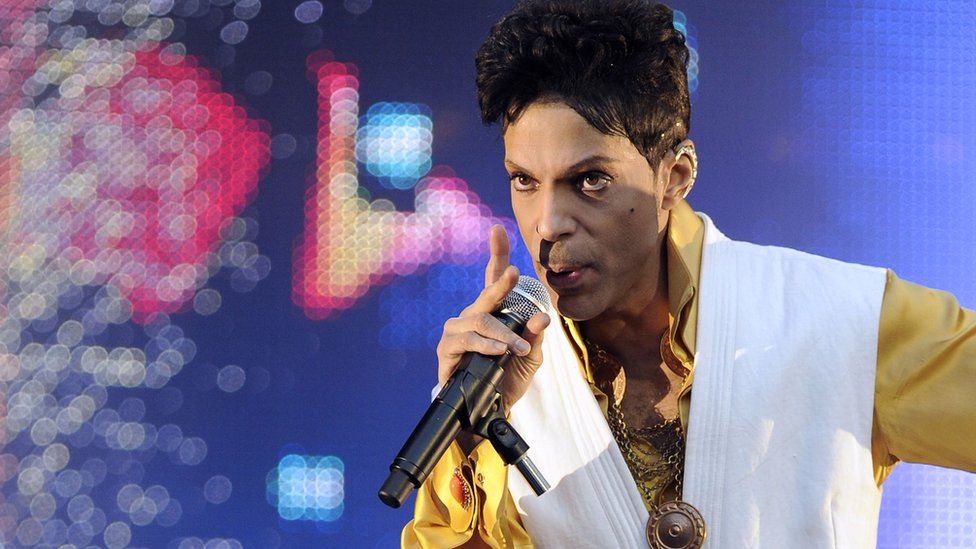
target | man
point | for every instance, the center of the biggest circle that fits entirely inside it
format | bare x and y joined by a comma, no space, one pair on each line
812,377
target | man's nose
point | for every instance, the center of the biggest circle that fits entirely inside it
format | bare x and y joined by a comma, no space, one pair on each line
556,216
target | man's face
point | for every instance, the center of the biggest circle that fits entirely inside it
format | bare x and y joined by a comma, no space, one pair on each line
589,208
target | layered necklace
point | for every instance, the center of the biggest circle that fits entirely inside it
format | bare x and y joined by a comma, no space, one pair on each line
654,455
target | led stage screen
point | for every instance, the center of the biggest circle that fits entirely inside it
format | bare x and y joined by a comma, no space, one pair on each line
231,231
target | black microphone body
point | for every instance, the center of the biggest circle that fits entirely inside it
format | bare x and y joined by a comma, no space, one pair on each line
468,396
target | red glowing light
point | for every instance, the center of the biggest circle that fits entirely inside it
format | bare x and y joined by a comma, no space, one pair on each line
138,174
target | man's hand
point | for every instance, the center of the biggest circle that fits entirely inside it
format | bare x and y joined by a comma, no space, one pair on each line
475,330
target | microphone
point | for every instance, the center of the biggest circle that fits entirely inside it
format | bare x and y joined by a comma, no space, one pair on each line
470,400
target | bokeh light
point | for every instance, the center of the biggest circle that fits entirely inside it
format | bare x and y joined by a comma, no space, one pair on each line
124,171
681,25
351,242
218,489
212,543
307,487
258,83
357,7
309,11
230,378
394,143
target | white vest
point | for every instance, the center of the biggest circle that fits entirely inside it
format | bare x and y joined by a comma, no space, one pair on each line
779,434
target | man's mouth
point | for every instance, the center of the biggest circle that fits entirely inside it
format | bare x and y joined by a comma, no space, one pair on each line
564,277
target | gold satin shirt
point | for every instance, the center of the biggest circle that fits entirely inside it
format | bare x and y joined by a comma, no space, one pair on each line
924,407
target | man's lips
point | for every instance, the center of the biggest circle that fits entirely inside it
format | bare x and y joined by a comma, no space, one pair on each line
563,268
563,277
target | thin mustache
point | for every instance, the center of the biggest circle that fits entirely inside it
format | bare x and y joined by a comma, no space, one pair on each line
551,253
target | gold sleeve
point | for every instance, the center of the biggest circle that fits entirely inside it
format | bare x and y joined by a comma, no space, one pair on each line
925,390
461,497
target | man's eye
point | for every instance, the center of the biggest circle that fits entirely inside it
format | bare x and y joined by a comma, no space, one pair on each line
594,181
520,182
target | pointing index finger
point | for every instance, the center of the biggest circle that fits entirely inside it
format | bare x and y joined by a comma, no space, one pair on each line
498,251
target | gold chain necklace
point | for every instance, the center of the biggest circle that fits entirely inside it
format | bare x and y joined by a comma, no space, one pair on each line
652,473
674,524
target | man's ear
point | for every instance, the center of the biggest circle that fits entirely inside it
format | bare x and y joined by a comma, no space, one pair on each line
681,165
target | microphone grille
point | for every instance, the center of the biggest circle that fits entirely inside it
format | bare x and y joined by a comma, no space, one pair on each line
527,298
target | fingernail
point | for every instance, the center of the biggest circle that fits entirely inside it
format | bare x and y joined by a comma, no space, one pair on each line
522,347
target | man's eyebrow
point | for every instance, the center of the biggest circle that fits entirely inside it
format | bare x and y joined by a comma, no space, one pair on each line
572,170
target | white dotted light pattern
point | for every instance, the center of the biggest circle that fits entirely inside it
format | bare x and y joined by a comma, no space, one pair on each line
307,487
351,243
394,143
889,103
123,167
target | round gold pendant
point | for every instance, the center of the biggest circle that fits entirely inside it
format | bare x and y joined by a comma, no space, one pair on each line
676,525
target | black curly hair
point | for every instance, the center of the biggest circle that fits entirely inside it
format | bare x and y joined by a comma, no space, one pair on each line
620,64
